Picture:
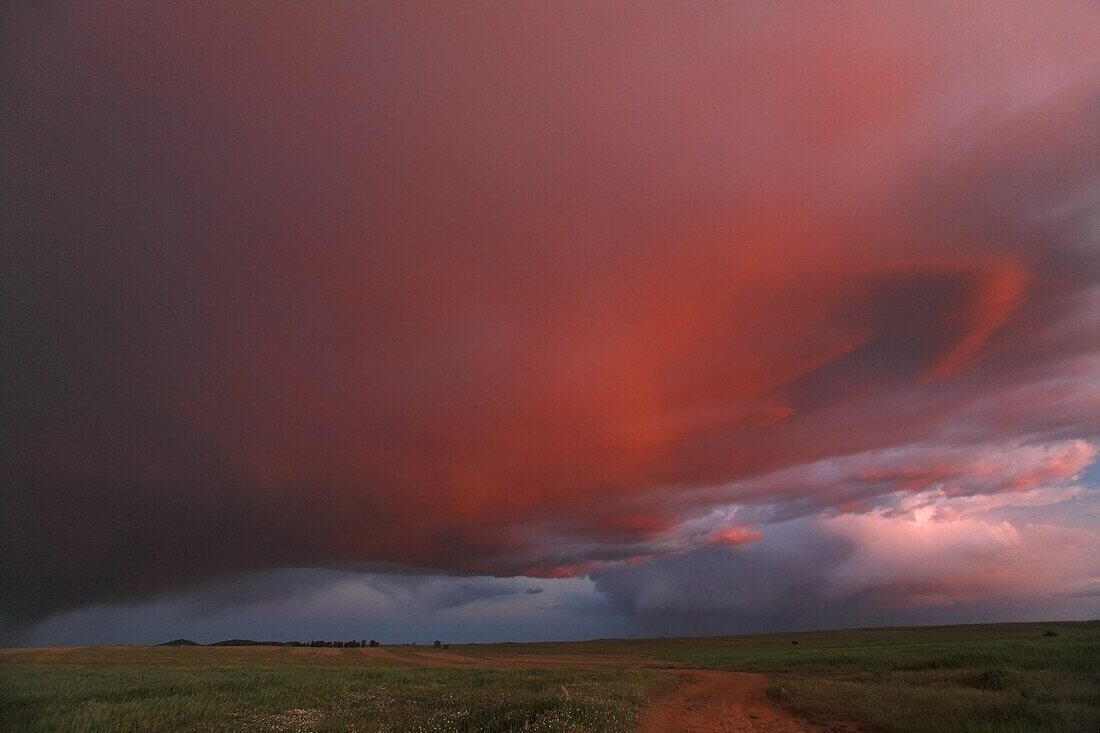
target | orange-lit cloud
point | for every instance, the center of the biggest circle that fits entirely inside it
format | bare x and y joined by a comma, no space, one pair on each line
735,534
530,289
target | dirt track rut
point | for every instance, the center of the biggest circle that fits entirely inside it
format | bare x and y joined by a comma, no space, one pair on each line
712,701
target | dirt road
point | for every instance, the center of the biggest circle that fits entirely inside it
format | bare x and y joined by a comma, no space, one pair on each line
711,701
704,701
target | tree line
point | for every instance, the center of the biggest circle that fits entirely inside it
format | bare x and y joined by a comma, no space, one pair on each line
343,644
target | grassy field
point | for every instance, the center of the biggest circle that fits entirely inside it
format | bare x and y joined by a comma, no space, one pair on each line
1005,678
986,679
125,690
1008,678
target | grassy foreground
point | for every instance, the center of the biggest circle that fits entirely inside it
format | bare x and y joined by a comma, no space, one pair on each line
322,698
990,678
981,679
1006,678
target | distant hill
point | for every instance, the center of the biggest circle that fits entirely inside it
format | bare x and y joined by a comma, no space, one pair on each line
180,642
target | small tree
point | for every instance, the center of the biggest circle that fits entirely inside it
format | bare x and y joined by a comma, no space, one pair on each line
438,643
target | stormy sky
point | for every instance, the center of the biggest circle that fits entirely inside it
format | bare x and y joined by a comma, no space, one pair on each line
544,320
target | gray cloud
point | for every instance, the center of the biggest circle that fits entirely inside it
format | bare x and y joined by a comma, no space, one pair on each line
762,587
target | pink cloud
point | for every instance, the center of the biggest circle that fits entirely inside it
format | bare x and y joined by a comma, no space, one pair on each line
917,562
735,534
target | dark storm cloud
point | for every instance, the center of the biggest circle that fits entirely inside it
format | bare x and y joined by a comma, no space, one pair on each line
716,590
527,290
433,593
316,603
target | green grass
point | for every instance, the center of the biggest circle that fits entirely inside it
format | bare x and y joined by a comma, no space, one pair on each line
1008,678
149,698
1005,678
